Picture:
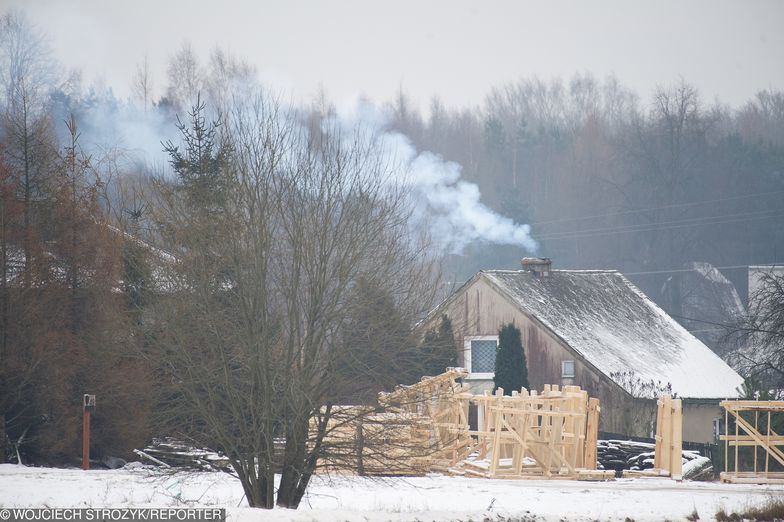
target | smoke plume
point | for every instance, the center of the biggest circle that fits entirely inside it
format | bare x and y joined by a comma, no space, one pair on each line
450,206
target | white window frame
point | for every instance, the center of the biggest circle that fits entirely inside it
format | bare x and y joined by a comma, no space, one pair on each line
467,355
563,369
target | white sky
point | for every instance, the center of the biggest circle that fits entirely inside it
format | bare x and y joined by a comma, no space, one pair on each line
456,48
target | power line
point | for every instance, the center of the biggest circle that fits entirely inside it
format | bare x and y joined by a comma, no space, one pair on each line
650,227
677,270
661,224
649,209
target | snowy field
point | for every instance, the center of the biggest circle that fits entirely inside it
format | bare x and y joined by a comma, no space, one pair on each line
434,498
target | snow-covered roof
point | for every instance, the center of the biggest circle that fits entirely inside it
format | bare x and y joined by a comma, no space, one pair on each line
607,320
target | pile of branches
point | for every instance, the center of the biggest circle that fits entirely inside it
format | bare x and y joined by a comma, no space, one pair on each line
173,453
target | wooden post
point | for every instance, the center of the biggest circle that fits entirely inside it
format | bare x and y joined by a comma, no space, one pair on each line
737,415
756,428
767,453
592,433
676,451
88,405
498,418
658,462
726,442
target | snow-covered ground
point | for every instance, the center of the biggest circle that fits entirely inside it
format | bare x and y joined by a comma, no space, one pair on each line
436,498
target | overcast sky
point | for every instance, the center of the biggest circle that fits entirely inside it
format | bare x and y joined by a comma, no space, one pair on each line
457,49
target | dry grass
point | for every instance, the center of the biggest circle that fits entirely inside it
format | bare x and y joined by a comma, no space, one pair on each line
770,511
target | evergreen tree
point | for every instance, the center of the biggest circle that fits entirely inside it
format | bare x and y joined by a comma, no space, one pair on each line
378,351
438,347
511,372
199,165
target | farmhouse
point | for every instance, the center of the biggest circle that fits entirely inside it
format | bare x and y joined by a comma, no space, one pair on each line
594,329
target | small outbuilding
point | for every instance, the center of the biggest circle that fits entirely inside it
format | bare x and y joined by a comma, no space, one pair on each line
596,330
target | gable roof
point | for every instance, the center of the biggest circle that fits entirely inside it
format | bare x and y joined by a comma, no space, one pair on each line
603,317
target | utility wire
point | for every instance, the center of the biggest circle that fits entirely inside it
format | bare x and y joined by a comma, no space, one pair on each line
661,224
650,227
676,270
649,209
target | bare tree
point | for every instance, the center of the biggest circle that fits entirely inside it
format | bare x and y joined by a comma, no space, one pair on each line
142,83
185,77
758,338
274,225
227,77
27,74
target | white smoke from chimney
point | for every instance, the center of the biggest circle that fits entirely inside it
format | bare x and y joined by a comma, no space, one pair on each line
447,206
450,206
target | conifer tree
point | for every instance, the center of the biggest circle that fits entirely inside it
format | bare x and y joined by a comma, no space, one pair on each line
511,372
438,348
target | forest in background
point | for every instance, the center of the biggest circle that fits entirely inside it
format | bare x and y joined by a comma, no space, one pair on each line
610,179
605,178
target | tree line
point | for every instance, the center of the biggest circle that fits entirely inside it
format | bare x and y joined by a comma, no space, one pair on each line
609,179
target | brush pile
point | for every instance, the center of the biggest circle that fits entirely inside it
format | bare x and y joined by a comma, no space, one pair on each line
173,453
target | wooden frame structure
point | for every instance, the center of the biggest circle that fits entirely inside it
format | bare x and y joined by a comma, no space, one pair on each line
668,452
437,399
754,431
424,427
552,434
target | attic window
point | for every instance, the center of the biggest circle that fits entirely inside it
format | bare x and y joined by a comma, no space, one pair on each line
567,369
480,355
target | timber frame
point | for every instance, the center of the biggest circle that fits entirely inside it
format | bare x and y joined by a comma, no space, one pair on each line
547,435
754,431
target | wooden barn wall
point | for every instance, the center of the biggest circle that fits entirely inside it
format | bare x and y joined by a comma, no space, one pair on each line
481,310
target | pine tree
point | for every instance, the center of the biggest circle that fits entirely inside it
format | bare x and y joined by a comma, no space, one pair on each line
511,372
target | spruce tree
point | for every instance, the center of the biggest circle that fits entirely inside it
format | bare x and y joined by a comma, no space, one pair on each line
510,368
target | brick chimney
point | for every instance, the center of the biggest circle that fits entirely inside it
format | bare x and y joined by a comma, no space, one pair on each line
540,266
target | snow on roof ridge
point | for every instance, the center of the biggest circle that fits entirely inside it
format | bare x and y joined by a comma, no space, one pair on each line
616,333
676,324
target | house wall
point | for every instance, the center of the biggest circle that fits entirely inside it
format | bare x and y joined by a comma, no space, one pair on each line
481,310
698,416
